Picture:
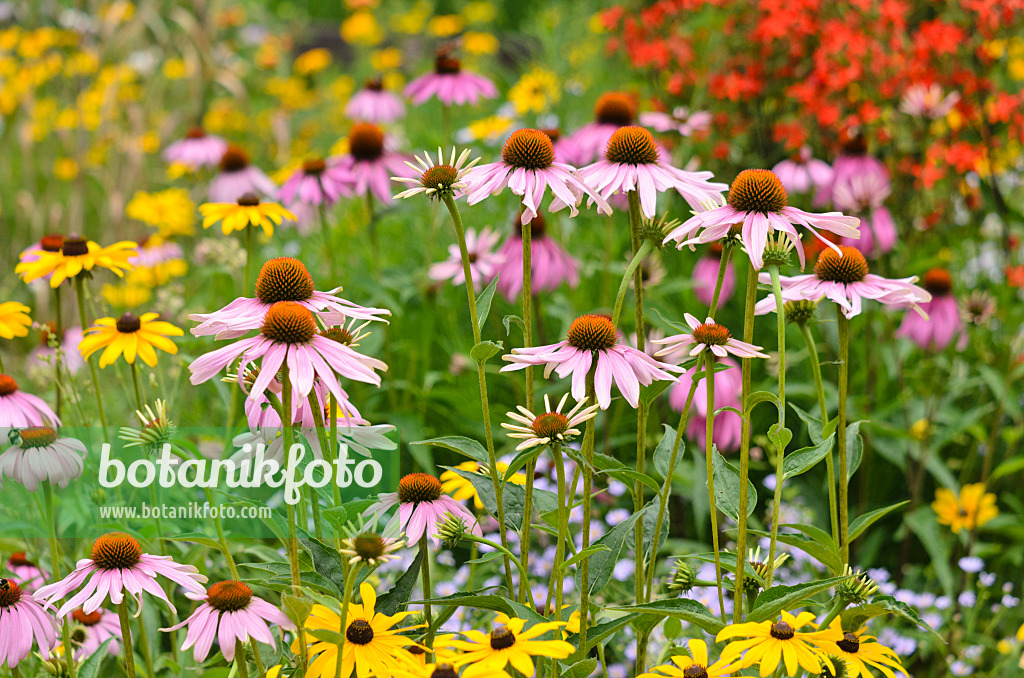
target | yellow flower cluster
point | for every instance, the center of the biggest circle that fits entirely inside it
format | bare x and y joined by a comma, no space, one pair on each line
170,211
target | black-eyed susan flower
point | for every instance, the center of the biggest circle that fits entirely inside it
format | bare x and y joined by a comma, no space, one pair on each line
130,336
14,320
972,508
487,654
694,665
76,255
247,211
461,489
770,643
859,650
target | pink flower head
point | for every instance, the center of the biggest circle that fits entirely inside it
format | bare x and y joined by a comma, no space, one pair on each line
237,177
370,161
758,201
374,104
802,173
632,162
594,339
566,149
116,565
422,508
928,101
612,111
40,456
484,262
864,195
317,183
943,322
18,408
528,168
681,121
280,279
25,573
96,627
41,359
708,335
198,149
22,622
843,277
230,613
551,265
853,161
705,277
728,387
450,84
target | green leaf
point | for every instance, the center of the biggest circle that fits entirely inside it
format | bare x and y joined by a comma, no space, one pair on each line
780,437
663,453
507,322
486,350
761,396
520,461
603,563
727,487
91,666
495,603
922,522
464,446
514,497
580,669
394,600
861,523
326,561
195,538
596,634
855,617
628,477
650,517
813,425
648,394
806,458
297,609
772,601
483,302
585,553
854,447
686,609
820,547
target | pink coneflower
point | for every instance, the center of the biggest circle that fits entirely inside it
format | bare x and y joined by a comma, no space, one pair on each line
567,151
728,387
117,565
422,508
802,173
705,277
593,338
708,335
40,361
528,169
260,414
450,84
864,195
317,183
95,628
853,161
551,264
758,201
374,104
18,408
41,456
681,120
289,335
548,426
22,622
25,573
927,101
943,322
280,279
198,149
612,111
370,161
231,614
237,177
484,262
843,277
632,162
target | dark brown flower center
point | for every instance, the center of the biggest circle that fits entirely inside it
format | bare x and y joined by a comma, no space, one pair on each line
938,281
374,84
18,559
195,132
10,592
284,279
288,322
52,243
446,65
439,177
368,546
615,108
553,133
248,199
128,323
314,166
116,551
850,267
592,332
695,671
712,334
444,671
7,385
365,141
850,643
37,436
528,149
632,146
74,246
229,596
757,190
234,160
91,619
417,487
338,334
502,638
359,632
853,142
550,424
782,631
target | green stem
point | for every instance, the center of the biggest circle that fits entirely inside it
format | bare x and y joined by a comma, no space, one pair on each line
709,448
147,655
55,566
350,578
135,383
723,266
780,316
812,352
126,639
240,663
427,590
844,474
587,452
292,547
741,531
524,535
498,547
225,549
15,671
492,460
59,351
634,264
836,610
558,576
80,292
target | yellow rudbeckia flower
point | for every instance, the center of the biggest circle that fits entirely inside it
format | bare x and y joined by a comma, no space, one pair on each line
972,508
75,256
14,320
770,643
859,651
129,336
248,211
461,489
696,664
487,654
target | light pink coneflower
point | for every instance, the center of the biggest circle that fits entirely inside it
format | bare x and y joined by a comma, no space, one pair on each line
708,335
22,622
853,160
803,173
633,162
864,196
594,339
27,574
450,84
705,277
551,264
374,104
612,111
422,508
528,168
198,149
728,387
317,183
484,262
681,121
96,627
759,203
115,566
238,177
230,613
843,277
371,161
280,279
18,408
943,322
41,456
928,101
567,151
548,426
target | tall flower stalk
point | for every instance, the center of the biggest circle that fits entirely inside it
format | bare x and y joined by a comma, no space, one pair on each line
55,566
844,471
780,452
80,292
524,540
587,452
709,451
745,365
